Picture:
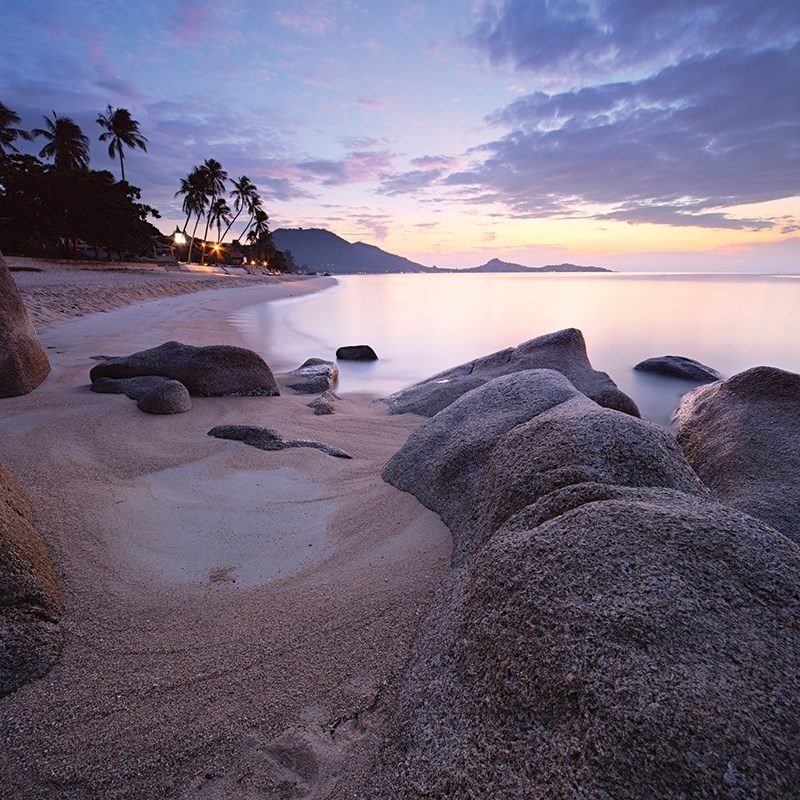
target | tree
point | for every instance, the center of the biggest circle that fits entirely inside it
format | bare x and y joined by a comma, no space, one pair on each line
213,177
120,129
8,132
255,207
219,213
243,194
195,200
65,143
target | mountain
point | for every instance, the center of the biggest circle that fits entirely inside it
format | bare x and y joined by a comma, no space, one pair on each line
496,265
323,251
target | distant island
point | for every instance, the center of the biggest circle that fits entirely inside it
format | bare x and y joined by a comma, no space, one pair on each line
321,250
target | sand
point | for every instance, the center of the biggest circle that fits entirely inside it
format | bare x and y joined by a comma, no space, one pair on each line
236,620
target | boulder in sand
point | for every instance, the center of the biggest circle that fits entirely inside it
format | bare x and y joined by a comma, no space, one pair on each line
323,404
609,630
30,600
563,351
23,361
742,436
213,371
153,395
313,376
356,352
268,439
679,367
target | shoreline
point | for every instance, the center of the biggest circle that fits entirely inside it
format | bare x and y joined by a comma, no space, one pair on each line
205,646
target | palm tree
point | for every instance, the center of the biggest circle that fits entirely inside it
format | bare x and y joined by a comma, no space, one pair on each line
259,233
195,200
214,178
219,212
66,143
244,192
8,132
256,205
120,129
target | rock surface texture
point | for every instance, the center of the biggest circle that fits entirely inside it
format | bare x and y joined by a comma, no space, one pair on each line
313,376
679,367
323,404
23,361
213,371
356,352
742,436
267,439
609,630
153,395
30,601
563,351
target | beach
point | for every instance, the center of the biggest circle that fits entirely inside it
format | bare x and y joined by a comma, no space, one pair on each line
236,620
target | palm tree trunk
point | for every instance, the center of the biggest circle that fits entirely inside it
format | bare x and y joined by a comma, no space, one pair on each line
205,239
122,163
249,223
191,241
230,224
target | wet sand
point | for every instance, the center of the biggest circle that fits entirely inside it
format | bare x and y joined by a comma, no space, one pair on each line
235,619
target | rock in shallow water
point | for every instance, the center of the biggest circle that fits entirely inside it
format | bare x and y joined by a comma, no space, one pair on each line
608,630
213,371
313,376
268,439
679,367
30,600
742,436
153,394
23,361
356,352
563,351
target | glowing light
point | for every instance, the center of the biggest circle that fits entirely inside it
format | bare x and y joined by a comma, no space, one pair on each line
179,238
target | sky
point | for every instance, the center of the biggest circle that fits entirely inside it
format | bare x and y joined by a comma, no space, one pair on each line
631,134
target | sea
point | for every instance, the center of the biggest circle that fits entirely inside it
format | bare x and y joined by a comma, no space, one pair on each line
422,324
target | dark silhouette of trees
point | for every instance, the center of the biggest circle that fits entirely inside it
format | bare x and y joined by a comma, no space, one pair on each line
65,143
9,133
214,177
243,193
121,131
195,201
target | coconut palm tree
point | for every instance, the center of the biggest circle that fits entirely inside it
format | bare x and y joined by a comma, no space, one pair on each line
219,212
195,201
214,177
259,233
65,143
8,132
243,194
256,205
120,129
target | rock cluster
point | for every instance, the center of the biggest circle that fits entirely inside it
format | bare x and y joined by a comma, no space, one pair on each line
742,436
313,376
679,367
30,600
153,394
23,361
609,630
213,371
564,351
268,439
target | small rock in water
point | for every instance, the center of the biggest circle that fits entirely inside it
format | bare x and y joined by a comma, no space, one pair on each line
356,352
679,367
268,439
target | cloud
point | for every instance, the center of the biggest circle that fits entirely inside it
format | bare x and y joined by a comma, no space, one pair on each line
355,167
309,18
708,133
409,182
584,38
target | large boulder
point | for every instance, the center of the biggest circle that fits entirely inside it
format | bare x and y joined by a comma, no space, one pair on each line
483,457
563,351
153,394
30,600
23,361
313,376
213,371
742,436
609,630
679,367
626,649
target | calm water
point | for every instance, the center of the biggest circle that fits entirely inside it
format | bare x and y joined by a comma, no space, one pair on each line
421,324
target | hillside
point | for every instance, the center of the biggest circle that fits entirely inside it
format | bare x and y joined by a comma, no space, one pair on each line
496,265
323,251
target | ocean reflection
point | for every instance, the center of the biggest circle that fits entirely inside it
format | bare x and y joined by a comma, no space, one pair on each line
422,324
